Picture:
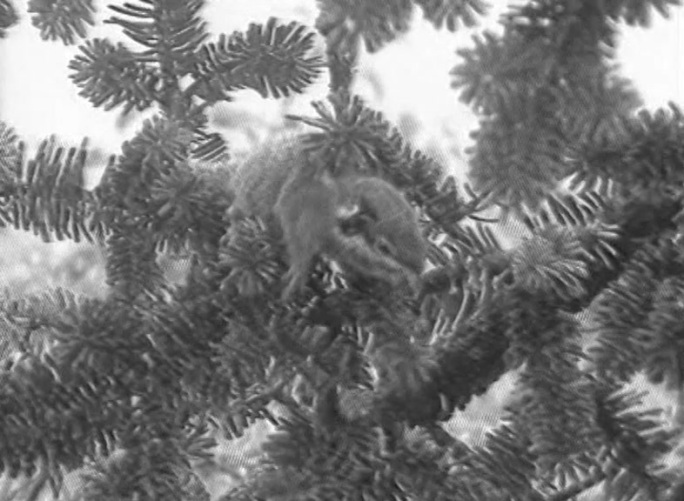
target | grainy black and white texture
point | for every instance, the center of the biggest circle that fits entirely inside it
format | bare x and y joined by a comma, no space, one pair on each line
148,351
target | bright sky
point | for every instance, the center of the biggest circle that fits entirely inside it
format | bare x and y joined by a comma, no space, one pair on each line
38,99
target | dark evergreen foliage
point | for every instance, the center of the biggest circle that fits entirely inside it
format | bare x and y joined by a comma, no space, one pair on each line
63,20
131,384
8,16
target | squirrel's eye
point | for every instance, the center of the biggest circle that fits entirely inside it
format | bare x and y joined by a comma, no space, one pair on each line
356,225
384,247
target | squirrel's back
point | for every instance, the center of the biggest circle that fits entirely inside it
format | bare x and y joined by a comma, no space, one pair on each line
259,181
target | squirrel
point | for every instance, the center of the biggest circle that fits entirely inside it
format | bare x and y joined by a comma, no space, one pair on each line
361,222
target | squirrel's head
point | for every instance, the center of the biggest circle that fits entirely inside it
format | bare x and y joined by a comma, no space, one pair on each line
382,232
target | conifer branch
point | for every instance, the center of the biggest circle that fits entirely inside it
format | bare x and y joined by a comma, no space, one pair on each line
8,17
63,20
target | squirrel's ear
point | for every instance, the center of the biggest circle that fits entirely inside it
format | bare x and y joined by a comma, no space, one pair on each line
346,212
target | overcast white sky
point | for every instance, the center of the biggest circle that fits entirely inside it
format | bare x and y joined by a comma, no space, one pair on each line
38,99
